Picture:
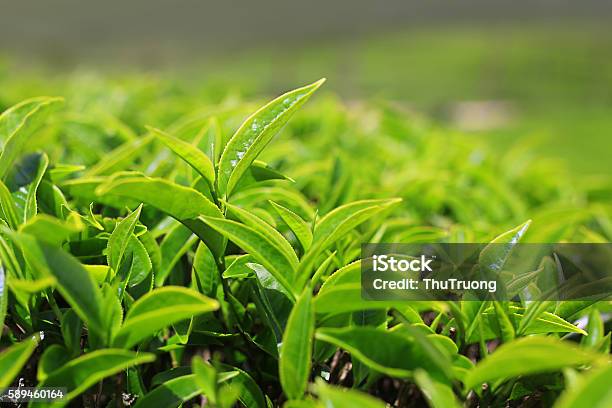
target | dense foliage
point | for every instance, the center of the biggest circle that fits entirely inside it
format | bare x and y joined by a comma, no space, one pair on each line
159,250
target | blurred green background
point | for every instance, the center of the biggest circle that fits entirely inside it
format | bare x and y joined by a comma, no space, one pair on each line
538,73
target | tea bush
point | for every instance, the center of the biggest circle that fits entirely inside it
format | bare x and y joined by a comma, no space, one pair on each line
159,249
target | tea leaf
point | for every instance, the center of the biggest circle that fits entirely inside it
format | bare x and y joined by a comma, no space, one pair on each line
205,377
494,256
158,309
3,295
592,390
31,207
51,229
119,239
254,135
337,397
18,123
259,246
296,224
249,392
14,358
9,210
73,281
119,158
267,230
339,222
296,350
205,272
378,349
172,393
438,395
182,203
528,355
191,154
79,374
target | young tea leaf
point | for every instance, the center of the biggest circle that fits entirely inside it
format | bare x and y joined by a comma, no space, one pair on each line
254,135
528,355
296,350
18,123
158,309
182,203
438,395
259,246
171,394
73,281
119,239
336,224
14,358
337,397
296,224
191,154
592,390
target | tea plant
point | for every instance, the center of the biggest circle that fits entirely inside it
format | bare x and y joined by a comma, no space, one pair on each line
153,254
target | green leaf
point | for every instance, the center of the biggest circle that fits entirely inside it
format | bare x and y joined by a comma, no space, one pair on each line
267,230
182,203
81,373
536,308
119,158
336,397
595,329
3,295
591,390
119,239
389,352
31,207
288,197
173,247
255,134
72,328
74,282
205,273
189,153
50,229
438,395
545,323
9,210
249,392
172,393
178,201
346,298
272,301
506,329
296,224
205,377
259,171
339,222
341,293
259,246
296,350
141,263
99,273
526,356
158,309
51,359
14,358
493,257
17,125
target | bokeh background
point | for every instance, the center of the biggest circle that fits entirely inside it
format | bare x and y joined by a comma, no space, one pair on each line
533,72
